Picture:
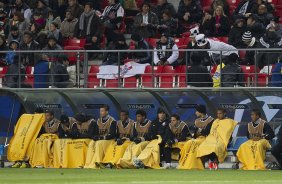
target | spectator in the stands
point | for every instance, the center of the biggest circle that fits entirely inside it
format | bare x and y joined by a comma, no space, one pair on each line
75,8
61,75
268,41
55,32
52,18
29,45
43,7
269,6
113,58
15,75
13,46
276,77
161,55
222,3
19,21
206,24
237,31
216,49
39,21
246,7
4,20
39,35
255,27
112,18
145,22
141,44
162,6
68,25
41,73
220,25
168,24
278,26
198,75
190,12
3,47
52,45
193,43
90,27
22,7
15,34
250,42
130,7
232,74
263,16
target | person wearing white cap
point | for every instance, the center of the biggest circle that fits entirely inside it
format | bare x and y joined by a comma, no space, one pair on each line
249,42
269,40
161,55
215,47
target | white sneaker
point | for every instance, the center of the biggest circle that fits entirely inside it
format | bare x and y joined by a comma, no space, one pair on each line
167,166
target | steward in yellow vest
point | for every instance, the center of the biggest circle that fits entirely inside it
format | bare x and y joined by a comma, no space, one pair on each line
51,124
116,150
252,153
152,155
199,131
176,135
104,134
140,140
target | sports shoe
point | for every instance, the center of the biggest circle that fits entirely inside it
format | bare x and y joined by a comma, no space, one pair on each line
215,165
17,165
24,165
210,165
167,166
138,163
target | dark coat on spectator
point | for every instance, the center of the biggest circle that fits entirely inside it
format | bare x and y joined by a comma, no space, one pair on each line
235,36
195,10
252,7
199,76
161,8
257,30
30,58
224,28
232,74
149,30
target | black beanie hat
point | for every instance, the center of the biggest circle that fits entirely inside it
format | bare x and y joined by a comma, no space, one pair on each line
201,109
64,118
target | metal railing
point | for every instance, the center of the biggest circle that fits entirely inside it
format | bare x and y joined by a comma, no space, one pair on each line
81,73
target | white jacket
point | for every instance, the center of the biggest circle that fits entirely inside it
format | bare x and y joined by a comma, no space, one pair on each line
226,48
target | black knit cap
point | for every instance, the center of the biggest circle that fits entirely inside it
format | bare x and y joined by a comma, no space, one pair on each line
64,118
201,109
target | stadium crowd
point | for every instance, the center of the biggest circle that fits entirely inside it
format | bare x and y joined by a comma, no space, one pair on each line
28,25
84,142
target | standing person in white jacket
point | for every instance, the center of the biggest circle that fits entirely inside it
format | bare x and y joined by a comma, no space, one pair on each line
162,53
216,48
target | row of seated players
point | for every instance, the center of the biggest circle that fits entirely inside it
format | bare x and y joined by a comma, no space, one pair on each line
139,144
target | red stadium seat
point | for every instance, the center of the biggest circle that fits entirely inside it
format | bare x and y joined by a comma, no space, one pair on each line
180,71
153,42
72,56
3,71
167,77
93,81
29,76
249,72
242,54
233,3
74,42
111,83
149,78
206,3
130,82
